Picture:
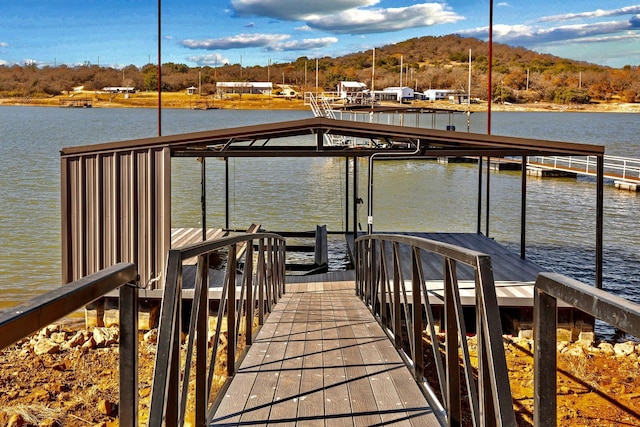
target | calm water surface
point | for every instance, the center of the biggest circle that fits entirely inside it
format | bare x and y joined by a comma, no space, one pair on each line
297,194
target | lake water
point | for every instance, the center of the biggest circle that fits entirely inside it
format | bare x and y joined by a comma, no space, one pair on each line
414,196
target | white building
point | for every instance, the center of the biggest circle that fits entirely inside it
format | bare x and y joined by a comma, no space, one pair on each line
397,94
119,89
437,94
351,90
259,88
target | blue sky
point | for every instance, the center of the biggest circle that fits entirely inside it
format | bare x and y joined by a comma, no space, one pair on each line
253,32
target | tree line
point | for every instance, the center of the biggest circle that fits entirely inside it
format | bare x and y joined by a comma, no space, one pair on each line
519,75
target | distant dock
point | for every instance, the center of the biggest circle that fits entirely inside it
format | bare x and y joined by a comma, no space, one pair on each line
76,103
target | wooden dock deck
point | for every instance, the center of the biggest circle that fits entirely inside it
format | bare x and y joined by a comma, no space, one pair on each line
321,359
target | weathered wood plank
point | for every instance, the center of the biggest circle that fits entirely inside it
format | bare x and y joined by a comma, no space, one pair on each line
287,393
321,364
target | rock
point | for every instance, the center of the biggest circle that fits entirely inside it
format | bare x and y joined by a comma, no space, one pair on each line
525,333
89,344
564,334
46,346
104,337
151,337
624,349
587,337
524,343
77,340
58,337
606,348
575,350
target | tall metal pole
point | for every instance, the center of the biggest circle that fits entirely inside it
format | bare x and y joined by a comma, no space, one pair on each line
469,97
490,56
159,67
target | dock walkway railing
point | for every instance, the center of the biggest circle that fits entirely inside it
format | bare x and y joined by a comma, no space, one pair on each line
549,288
260,286
23,320
615,167
382,287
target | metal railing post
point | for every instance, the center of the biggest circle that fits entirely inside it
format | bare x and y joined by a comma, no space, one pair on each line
129,397
544,353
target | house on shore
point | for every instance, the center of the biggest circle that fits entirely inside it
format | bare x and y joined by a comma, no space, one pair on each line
119,89
254,88
396,93
350,91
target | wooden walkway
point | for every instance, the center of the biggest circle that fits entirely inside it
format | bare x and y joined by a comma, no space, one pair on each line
322,360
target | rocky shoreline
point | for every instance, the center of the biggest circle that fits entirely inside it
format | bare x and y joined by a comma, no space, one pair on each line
262,102
72,379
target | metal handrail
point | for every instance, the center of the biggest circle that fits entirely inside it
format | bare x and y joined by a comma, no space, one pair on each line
261,286
23,320
549,288
380,282
625,168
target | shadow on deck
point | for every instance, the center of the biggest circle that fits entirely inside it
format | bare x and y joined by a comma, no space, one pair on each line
322,356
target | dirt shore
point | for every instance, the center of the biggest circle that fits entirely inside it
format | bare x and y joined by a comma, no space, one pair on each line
263,102
68,376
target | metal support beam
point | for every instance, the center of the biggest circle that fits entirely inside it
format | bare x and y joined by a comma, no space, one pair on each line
523,209
599,221
346,196
488,208
479,213
355,198
226,193
203,196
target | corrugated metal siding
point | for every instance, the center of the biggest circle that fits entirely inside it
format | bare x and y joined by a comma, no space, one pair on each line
116,207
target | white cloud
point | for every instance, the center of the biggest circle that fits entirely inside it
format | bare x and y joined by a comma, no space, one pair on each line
367,21
303,28
303,44
503,4
349,16
296,10
530,36
270,42
4,44
209,60
629,10
237,41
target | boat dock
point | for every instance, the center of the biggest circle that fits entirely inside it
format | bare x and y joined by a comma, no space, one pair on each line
321,357
76,103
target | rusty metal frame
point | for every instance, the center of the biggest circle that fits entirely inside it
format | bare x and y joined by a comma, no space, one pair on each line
116,197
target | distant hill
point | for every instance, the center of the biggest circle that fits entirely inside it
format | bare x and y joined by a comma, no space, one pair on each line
519,75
